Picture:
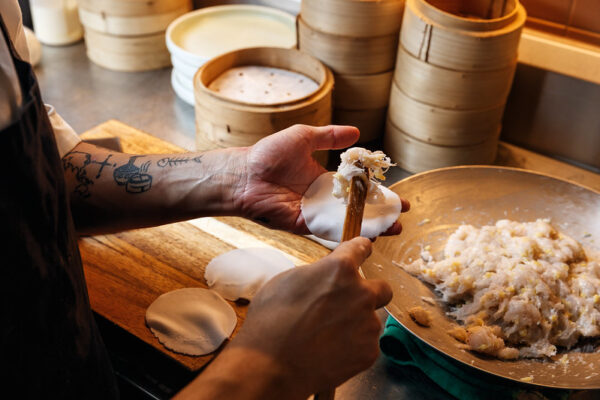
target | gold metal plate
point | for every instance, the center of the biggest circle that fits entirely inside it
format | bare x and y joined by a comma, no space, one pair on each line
445,198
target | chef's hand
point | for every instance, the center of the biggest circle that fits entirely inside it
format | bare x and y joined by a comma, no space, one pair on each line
307,330
280,168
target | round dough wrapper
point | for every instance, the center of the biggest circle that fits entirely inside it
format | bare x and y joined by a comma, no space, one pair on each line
324,213
191,321
240,273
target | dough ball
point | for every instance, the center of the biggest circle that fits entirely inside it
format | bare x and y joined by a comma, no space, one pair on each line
324,213
191,321
240,273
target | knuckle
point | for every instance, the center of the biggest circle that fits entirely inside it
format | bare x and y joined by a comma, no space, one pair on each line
346,263
301,128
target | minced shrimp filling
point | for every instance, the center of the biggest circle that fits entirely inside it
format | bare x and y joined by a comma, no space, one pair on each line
353,162
532,282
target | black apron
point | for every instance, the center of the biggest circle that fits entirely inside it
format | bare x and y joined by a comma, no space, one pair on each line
50,346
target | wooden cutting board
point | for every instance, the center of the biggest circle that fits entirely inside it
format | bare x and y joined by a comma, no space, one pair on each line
126,272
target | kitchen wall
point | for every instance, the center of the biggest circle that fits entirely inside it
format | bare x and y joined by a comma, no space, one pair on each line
554,114
576,19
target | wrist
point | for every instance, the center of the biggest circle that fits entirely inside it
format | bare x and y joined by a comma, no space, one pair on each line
230,168
213,190
244,373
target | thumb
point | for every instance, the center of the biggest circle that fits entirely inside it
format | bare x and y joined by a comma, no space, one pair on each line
331,137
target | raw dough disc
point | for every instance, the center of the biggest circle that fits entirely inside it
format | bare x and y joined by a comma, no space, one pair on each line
191,321
240,273
324,214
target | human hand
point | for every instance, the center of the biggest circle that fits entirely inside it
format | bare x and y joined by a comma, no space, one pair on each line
280,168
317,323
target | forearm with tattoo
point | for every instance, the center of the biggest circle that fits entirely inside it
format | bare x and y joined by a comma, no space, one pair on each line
137,189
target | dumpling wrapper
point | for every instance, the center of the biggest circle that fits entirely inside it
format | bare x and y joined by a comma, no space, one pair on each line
191,321
324,213
240,273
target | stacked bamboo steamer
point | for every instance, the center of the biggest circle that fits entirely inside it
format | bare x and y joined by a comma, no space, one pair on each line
129,35
454,70
222,121
358,40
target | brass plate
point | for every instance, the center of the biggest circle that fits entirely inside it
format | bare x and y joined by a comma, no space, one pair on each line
479,196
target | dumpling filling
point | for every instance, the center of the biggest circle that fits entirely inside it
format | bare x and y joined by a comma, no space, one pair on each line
354,162
534,286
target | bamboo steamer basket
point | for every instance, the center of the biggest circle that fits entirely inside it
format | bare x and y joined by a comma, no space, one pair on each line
450,88
136,23
132,8
349,55
136,53
370,122
465,35
362,92
354,18
442,126
416,156
223,122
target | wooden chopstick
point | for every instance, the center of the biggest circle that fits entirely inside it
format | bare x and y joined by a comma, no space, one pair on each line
352,225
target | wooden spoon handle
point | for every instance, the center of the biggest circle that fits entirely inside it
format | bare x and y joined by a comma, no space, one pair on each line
355,208
352,226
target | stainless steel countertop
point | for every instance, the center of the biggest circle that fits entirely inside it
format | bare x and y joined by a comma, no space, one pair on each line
87,95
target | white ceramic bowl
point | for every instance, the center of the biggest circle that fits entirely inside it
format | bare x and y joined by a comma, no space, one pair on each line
183,89
291,6
208,32
200,35
184,67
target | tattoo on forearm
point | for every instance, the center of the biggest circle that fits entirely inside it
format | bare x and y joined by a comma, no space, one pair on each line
78,162
175,161
135,179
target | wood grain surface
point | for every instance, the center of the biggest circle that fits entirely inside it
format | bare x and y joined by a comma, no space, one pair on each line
126,272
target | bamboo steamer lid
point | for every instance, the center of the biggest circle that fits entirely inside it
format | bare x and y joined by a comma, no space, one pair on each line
134,25
369,122
136,53
223,122
349,55
361,92
434,31
354,18
442,126
450,88
416,156
132,8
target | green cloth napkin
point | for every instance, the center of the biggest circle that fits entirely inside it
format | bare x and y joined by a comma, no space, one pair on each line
465,383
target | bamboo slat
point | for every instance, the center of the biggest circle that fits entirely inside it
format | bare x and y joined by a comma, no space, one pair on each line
130,25
360,92
443,126
132,8
468,41
448,88
354,18
416,156
349,55
137,53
